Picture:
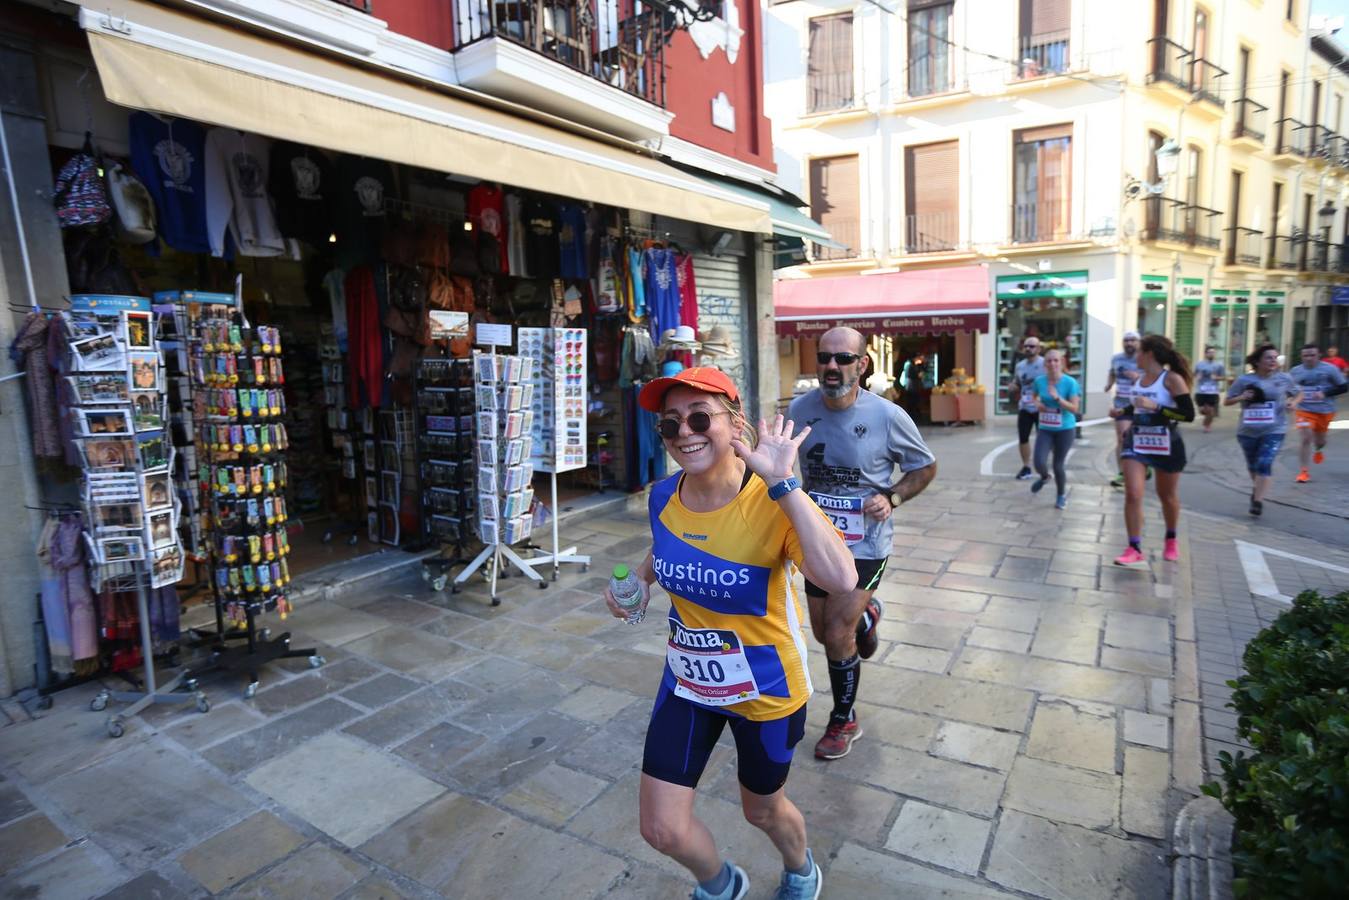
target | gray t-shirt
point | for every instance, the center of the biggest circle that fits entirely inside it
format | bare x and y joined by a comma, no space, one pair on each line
1207,376
1026,371
1125,369
851,454
1267,416
1321,377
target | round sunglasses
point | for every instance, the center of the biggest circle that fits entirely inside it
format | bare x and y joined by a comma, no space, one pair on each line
698,423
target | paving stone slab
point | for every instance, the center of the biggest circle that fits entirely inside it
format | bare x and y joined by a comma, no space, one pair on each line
13,803
336,625
439,748
1074,642
1011,614
1063,794
890,726
315,872
25,840
827,801
976,745
403,611
553,794
1084,682
1049,859
1143,803
911,656
415,653
615,750
1063,733
505,711
1147,729
1005,587
150,886
252,748
918,775
505,761
1137,661
998,639
938,836
73,874
951,600
239,851
410,714
343,787
1135,632
381,690
867,875
994,705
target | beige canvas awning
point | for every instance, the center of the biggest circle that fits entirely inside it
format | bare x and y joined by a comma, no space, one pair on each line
156,59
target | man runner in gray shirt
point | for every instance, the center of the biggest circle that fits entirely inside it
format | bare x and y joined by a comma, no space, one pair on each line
848,462
1321,383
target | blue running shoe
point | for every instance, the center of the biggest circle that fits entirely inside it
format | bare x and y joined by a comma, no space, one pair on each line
799,887
1062,502
736,890
1039,483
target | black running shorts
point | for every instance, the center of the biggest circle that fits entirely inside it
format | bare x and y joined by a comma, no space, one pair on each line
869,572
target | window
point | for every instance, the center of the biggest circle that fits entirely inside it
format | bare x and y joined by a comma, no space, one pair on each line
1277,242
1283,134
1193,166
1042,182
1152,205
829,68
1044,37
932,197
1289,10
834,199
1315,144
1198,76
1240,242
930,58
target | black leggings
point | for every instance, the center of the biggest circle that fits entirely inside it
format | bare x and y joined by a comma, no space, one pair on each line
1060,442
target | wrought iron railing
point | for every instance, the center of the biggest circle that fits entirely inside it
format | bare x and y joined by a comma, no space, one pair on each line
844,231
1206,80
1170,62
1292,137
1288,251
1042,220
622,46
1250,119
1182,223
1244,246
931,232
1043,54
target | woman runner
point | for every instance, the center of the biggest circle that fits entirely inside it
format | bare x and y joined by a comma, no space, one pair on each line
1058,398
1265,396
725,534
1161,401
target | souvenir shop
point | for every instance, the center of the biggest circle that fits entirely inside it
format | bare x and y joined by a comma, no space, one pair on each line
267,364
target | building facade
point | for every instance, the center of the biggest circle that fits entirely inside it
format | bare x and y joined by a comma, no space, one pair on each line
1022,139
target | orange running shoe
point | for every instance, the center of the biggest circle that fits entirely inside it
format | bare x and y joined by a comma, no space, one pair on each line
1318,457
1303,477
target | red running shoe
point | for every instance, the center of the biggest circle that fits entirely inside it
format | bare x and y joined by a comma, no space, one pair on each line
838,739
868,640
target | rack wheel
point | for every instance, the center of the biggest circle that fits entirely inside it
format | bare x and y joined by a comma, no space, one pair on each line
555,574
454,589
266,634
438,583
190,685
542,584
100,701
316,660
203,705
585,567
251,691
496,601
115,727
426,573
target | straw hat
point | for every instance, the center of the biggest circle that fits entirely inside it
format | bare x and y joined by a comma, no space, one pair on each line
675,339
716,341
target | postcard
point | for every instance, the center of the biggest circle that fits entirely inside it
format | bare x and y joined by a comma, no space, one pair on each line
120,549
102,422
103,387
147,410
160,527
153,450
139,330
157,490
113,455
144,371
118,517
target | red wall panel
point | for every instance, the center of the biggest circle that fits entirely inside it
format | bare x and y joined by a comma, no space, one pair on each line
429,21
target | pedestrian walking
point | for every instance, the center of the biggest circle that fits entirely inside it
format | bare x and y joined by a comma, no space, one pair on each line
1123,374
1208,375
848,463
1333,357
1022,390
1266,395
1320,383
1058,399
726,532
1159,402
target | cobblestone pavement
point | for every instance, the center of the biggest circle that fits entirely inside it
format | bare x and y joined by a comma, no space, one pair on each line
1034,719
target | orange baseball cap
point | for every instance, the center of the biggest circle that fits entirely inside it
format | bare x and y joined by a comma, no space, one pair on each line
703,378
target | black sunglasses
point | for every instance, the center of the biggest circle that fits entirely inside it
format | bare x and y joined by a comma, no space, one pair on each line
843,359
699,422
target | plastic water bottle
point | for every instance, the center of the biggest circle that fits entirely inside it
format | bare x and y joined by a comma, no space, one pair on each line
627,593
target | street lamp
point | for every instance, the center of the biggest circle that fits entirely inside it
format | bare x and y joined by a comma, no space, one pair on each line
1168,160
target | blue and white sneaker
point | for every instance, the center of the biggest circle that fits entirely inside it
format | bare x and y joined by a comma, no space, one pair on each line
736,890
801,887
1062,502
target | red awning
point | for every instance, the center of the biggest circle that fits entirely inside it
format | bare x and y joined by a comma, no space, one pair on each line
920,302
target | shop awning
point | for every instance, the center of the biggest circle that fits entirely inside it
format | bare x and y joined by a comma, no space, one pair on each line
788,219
156,59
919,302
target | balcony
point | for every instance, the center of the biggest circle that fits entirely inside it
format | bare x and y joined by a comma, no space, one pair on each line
1250,120
932,75
829,91
1039,221
1291,138
1173,64
843,231
1178,222
1324,256
1334,149
532,50
931,232
1244,246
1043,54
1288,251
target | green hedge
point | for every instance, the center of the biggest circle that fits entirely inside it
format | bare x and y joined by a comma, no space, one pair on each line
1291,798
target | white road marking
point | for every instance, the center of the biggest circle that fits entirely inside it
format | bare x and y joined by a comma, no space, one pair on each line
986,464
1258,576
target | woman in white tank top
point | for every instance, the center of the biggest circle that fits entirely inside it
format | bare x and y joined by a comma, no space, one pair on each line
1161,400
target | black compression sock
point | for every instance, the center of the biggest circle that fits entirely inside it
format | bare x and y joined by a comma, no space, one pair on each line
1170,534
844,674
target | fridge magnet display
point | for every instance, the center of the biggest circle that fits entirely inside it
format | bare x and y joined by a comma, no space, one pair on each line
147,410
371,492
166,565
145,371
108,454
157,490
99,352
101,422
104,387
120,549
159,525
139,334
153,450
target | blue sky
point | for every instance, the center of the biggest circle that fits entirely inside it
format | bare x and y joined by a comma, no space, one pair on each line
1332,8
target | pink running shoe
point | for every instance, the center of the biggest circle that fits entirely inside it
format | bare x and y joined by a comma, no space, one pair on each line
1131,557
1171,553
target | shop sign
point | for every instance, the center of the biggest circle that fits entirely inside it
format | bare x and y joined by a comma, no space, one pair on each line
1154,287
1339,295
1050,284
490,334
1223,296
932,324
1191,291
108,303
1269,300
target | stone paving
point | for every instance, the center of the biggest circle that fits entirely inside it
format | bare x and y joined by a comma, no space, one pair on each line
1034,720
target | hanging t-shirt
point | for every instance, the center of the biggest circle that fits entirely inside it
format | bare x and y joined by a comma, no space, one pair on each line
636,285
688,290
606,287
363,186
515,237
170,158
302,183
334,283
662,290
487,212
541,238
572,242
236,194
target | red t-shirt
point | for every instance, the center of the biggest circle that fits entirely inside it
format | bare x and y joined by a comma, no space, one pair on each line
487,212
1338,363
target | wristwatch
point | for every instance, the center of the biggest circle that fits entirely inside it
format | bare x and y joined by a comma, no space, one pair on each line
783,488
896,500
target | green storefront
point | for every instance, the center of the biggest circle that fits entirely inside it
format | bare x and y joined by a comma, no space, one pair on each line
1051,306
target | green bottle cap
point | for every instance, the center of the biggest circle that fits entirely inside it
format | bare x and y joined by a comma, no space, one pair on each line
620,572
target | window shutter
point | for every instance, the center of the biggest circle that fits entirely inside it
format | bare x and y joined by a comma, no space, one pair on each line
932,186
1185,331
835,194
1048,17
829,65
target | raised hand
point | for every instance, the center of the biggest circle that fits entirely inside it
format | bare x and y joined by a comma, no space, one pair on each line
773,458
